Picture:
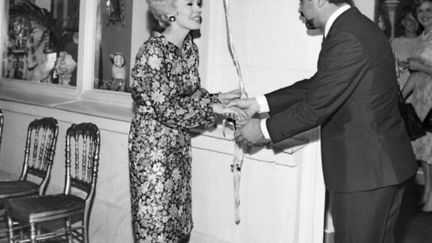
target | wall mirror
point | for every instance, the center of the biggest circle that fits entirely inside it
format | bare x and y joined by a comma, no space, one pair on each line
41,41
113,47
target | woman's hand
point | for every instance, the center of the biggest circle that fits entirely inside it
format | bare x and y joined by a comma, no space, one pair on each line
235,113
229,112
417,65
224,98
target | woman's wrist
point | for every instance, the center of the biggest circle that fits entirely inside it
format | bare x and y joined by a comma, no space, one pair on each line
220,97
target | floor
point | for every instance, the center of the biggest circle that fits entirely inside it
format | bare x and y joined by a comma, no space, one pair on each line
414,226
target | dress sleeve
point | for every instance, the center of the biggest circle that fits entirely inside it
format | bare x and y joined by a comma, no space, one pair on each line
188,111
153,88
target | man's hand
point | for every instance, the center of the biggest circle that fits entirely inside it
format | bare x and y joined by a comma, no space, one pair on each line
251,134
249,106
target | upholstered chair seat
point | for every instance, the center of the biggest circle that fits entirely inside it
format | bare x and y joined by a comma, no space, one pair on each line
34,208
10,189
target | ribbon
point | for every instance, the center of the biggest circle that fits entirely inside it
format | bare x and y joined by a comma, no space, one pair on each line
238,151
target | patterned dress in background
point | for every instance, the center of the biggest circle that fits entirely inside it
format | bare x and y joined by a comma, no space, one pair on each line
169,99
421,98
403,48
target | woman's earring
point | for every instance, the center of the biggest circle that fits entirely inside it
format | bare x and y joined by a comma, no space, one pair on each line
172,18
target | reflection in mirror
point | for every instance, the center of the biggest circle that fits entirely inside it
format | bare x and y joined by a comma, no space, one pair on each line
113,51
115,11
42,41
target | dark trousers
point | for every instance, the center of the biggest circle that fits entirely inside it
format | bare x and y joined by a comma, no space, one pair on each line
366,216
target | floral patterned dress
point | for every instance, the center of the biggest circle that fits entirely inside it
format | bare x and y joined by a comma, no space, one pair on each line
169,99
421,98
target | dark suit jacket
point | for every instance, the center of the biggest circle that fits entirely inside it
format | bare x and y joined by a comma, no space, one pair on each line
353,96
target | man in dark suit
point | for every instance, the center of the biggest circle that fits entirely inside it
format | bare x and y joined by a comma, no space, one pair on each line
353,96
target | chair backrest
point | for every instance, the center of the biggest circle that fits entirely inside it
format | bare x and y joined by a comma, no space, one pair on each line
1,126
82,160
40,146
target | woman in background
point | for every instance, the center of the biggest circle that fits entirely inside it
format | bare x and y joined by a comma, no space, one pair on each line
419,85
403,45
169,99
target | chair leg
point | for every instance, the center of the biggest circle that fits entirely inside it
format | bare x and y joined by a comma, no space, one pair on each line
68,230
427,179
3,225
33,232
427,207
85,229
10,229
21,233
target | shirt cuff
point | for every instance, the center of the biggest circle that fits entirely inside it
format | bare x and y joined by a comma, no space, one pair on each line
262,101
264,129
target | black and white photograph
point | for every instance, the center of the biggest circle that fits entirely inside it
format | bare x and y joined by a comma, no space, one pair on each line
216,121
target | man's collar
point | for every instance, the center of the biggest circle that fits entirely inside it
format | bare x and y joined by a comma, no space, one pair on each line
334,16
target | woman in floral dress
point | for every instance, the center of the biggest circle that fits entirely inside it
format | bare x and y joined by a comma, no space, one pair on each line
420,84
169,101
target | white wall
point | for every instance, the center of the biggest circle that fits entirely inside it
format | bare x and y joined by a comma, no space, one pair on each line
139,30
366,7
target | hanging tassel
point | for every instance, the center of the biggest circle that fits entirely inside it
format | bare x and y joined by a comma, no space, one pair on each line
238,151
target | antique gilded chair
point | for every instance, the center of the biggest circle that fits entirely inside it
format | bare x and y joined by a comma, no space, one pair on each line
73,204
40,146
39,153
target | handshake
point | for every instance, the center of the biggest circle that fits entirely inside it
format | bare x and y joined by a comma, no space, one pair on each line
248,131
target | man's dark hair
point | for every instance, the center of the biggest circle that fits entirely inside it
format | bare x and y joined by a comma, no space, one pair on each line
339,2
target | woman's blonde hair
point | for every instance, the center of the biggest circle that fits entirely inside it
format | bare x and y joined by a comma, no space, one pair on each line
161,9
